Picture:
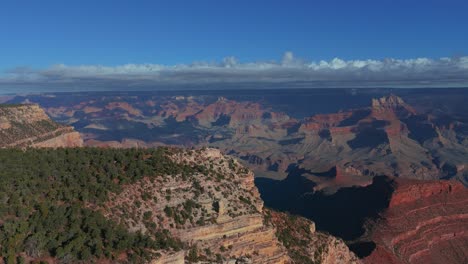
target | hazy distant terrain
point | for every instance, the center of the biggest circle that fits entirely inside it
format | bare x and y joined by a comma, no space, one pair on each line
334,137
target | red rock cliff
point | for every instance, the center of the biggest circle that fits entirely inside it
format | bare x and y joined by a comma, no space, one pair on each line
426,222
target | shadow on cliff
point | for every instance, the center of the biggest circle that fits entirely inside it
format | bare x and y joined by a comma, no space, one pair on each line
342,214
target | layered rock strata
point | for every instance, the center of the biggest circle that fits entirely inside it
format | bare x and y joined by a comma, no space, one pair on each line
219,212
426,222
29,126
305,244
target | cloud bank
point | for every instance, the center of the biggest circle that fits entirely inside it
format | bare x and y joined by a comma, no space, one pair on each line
230,73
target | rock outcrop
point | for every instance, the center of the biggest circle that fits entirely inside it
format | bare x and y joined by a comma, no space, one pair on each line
305,244
391,105
29,126
67,139
426,222
218,212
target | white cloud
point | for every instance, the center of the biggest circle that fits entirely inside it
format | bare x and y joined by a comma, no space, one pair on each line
289,72
230,62
288,58
464,62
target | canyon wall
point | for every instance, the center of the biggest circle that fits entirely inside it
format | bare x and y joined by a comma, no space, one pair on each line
218,213
29,126
426,222
305,244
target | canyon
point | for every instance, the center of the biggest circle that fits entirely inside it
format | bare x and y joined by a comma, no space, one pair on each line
212,207
227,217
383,136
392,220
211,214
326,167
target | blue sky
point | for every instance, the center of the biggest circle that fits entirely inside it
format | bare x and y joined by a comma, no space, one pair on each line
40,34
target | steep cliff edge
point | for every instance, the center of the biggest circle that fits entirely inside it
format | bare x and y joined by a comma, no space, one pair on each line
29,125
219,214
305,244
426,222
217,211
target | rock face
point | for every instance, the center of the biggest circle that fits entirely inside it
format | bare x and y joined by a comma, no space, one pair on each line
29,125
67,139
219,211
426,222
392,104
305,244
219,214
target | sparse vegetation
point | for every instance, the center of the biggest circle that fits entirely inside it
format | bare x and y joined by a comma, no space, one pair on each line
47,196
50,195
294,233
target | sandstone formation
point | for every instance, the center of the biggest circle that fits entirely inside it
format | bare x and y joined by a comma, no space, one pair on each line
219,214
217,211
391,105
426,222
29,126
305,244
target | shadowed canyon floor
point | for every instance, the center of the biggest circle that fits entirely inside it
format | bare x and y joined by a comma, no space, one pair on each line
352,205
389,221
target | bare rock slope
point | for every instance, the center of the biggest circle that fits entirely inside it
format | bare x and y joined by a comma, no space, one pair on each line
29,125
218,212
